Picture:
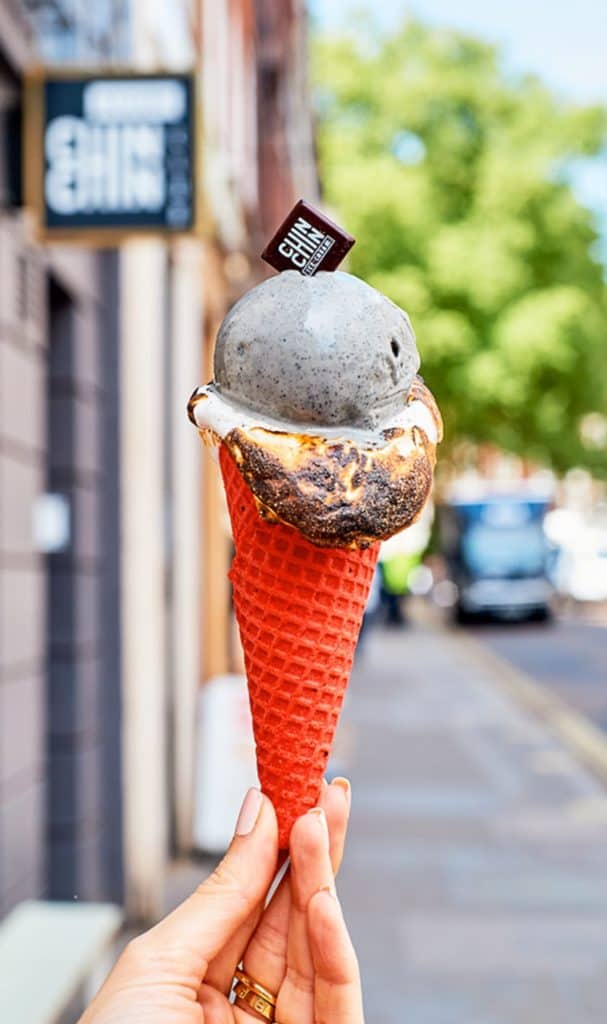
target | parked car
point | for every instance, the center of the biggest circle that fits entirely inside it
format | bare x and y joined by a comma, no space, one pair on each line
497,556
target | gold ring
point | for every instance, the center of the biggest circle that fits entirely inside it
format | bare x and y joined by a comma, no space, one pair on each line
254,995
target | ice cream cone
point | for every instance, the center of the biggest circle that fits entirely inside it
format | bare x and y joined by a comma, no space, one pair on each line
299,609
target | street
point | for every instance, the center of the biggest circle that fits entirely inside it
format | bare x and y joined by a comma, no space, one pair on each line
569,655
475,878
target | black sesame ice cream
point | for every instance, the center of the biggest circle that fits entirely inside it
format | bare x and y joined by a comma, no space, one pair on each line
316,395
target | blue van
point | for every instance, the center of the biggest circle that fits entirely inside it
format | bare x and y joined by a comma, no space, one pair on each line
498,557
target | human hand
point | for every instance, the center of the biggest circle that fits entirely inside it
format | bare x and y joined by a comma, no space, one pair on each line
181,971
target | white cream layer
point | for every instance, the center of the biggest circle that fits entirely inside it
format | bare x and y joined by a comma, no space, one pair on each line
212,411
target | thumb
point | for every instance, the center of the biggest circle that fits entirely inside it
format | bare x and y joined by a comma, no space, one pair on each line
208,918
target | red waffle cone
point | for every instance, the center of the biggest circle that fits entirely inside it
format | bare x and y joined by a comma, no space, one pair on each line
299,609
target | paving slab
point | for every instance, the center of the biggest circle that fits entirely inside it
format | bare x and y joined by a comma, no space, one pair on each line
475,878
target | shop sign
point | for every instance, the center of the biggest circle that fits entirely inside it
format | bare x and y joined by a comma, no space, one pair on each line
110,155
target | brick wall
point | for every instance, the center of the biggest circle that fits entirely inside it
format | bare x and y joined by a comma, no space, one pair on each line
22,569
59,619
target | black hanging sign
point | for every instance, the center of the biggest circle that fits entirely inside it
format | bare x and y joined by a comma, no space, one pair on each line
108,156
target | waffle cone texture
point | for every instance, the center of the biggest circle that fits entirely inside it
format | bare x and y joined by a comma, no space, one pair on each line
299,609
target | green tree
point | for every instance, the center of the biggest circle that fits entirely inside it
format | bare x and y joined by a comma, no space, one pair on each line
455,178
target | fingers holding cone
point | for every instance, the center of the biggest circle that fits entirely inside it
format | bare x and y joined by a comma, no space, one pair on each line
311,872
178,950
266,956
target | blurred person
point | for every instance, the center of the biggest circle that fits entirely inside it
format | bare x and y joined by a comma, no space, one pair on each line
396,561
297,962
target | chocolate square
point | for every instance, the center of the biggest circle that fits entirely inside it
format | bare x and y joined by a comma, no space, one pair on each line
307,241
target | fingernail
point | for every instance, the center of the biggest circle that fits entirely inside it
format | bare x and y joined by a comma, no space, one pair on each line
249,813
329,889
319,813
343,784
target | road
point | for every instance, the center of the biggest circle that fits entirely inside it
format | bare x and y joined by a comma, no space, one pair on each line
568,655
475,877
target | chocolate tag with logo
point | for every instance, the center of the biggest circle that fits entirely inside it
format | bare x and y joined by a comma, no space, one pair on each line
307,241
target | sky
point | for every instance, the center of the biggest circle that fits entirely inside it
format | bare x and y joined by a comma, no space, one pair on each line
562,40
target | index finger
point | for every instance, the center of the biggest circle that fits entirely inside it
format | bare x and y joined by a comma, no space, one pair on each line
266,955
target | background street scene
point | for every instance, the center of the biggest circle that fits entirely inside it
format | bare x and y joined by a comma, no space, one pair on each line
148,153
475,878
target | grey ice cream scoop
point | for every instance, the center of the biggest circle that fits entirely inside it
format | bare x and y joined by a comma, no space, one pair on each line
327,349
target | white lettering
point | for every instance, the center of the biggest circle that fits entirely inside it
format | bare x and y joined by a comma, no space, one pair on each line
305,239
314,262
92,168
296,258
112,181
143,184
317,236
64,145
118,101
301,244
312,235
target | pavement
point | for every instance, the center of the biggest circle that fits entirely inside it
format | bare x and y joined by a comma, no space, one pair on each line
475,878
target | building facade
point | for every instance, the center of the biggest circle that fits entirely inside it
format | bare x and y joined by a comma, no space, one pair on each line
114,543
60,832
259,160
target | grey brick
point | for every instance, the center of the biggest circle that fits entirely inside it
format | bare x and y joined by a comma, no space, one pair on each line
91,867
22,835
75,359
88,542
22,397
88,615
62,441
63,871
22,714
21,481
61,356
22,616
23,293
74,610
36,300
86,364
74,697
76,867
64,797
29,887
8,274
62,611
75,791
76,441
87,449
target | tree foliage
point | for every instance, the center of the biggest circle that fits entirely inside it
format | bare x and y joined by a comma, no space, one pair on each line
455,178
